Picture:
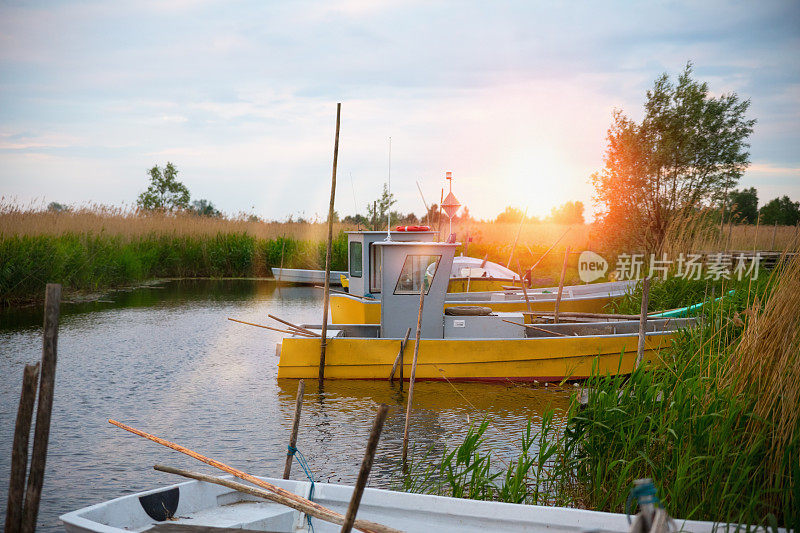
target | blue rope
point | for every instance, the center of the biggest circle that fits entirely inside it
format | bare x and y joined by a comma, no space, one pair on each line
297,454
643,494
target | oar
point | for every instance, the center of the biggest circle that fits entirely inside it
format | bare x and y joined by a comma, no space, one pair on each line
295,326
536,328
292,332
229,469
330,516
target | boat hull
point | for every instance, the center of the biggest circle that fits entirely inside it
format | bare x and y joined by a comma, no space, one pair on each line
306,276
519,360
201,504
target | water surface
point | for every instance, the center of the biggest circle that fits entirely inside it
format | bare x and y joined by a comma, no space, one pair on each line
167,361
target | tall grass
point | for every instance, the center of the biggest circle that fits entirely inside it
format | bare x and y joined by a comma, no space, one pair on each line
715,424
92,262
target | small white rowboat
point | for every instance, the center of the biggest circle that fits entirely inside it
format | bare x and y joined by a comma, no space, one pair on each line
197,503
305,276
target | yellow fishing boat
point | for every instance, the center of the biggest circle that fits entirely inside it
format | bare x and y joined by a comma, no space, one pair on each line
482,283
465,343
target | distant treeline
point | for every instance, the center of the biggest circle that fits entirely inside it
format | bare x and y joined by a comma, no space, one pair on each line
94,262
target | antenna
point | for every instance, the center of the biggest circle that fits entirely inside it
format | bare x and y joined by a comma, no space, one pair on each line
389,209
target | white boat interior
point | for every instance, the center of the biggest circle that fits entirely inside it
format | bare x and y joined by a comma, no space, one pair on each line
205,504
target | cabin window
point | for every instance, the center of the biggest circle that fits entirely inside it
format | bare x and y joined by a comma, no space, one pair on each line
417,269
374,268
356,266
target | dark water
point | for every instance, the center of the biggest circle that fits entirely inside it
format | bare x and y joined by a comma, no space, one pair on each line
166,360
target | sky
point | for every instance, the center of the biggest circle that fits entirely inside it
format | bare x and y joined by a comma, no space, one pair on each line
514,98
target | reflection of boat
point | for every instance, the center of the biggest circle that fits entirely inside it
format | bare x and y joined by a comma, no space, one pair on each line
302,275
458,344
362,305
204,505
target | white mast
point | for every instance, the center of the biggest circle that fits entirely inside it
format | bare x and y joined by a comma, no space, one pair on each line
389,209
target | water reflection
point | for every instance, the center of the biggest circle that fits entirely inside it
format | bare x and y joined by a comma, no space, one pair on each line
167,361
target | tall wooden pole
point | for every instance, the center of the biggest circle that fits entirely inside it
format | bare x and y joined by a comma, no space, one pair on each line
366,467
47,381
323,343
19,450
413,376
298,406
561,285
643,320
519,229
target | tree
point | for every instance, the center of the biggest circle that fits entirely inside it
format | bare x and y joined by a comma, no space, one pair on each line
569,213
510,215
781,211
204,208
378,212
165,192
56,207
743,206
687,152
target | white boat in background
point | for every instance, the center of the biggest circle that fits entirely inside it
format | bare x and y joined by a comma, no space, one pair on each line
197,503
305,276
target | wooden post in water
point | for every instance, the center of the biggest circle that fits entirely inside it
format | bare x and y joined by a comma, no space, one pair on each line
366,467
298,406
19,450
643,321
413,376
47,381
399,360
324,341
514,246
561,285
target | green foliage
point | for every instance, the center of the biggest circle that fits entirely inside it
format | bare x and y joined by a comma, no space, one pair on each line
88,262
743,206
165,191
513,215
204,208
781,211
569,213
57,207
688,150
378,213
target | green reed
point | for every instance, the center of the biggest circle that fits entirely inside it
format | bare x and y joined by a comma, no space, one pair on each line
694,422
97,261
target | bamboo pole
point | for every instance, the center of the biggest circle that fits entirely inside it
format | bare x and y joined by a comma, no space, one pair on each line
47,381
439,219
643,320
577,314
19,450
413,376
519,230
229,469
548,251
366,467
327,515
524,289
399,359
346,293
290,332
561,285
531,326
294,326
298,406
323,343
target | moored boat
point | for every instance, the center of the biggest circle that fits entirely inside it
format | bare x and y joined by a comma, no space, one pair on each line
465,343
205,505
306,276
